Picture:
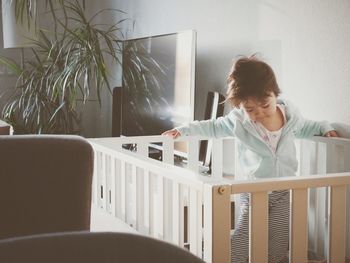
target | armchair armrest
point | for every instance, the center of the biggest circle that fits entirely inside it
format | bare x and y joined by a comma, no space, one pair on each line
5,128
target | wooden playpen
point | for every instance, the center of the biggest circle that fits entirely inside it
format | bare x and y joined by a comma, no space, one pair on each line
137,181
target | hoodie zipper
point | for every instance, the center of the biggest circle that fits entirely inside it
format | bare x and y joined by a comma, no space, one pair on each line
256,135
253,132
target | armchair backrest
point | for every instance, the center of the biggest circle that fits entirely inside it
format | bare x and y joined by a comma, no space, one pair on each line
45,184
92,248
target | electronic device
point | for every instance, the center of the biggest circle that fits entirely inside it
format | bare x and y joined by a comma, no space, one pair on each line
158,83
214,109
158,76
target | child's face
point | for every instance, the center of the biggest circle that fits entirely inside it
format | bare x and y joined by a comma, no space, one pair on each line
258,110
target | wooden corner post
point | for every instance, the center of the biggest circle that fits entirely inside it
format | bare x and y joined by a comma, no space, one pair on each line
217,224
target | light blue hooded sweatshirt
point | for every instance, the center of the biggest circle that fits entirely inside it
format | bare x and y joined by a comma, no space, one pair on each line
257,160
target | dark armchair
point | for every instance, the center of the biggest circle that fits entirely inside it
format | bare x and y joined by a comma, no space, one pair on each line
91,248
45,184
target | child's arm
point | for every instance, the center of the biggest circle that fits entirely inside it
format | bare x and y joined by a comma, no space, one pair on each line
304,128
221,127
309,128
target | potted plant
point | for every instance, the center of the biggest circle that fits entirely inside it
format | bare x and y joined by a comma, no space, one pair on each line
68,63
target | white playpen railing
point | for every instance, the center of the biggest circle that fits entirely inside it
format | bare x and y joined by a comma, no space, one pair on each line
187,208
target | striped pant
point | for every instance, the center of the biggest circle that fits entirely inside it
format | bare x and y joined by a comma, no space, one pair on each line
278,229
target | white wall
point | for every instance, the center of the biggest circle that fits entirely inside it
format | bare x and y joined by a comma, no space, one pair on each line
315,61
306,42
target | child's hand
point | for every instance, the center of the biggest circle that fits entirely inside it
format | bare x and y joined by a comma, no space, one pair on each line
173,133
331,134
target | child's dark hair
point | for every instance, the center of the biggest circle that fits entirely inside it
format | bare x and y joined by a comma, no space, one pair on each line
250,77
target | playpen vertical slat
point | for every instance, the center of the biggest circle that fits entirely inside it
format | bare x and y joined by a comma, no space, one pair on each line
175,213
331,167
133,196
181,217
195,222
94,180
142,199
168,157
193,219
340,158
199,225
347,157
122,190
321,195
331,158
108,164
337,224
139,198
104,182
310,166
159,207
146,202
217,158
113,186
298,155
142,148
193,151
258,228
299,237
208,223
115,182
151,205
98,180
221,219
128,193
168,150
321,158
304,157
167,209
117,187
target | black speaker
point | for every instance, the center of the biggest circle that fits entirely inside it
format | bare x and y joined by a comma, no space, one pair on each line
214,109
116,111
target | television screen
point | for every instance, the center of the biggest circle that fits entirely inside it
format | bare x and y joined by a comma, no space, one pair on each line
158,83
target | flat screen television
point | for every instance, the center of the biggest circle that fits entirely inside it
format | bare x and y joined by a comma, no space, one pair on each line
158,83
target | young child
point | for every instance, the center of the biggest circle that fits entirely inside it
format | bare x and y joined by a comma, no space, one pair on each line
265,128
